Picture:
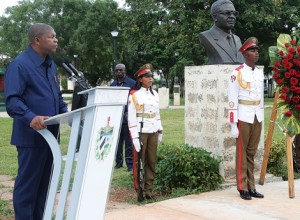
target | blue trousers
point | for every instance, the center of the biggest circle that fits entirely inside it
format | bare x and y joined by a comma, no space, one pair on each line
32,182
124,136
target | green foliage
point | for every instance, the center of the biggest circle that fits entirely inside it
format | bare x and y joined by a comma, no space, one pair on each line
265,16
183,166
277,163
150,31
64,84
277,158
87,36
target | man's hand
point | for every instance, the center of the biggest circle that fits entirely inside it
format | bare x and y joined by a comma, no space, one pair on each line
136,144
38,122
234,130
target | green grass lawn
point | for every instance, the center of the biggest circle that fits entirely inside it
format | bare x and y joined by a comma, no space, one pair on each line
172,120
8,155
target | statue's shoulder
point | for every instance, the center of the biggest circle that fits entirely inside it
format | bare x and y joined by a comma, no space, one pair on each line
207,36
208,32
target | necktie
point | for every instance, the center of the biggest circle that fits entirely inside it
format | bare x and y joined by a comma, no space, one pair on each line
230,41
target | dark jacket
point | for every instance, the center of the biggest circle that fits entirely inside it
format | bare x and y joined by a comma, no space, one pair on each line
31,88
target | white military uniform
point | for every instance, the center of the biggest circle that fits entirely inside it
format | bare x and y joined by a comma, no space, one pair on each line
246,94
245,103
143,105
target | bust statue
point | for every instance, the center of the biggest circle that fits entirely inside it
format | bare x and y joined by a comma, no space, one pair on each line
221,45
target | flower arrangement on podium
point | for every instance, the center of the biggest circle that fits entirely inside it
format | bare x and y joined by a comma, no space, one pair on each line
285,58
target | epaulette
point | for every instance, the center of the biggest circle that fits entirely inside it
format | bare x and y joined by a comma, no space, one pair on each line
132,91
135,103
239,67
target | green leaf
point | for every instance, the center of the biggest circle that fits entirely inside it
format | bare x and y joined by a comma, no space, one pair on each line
291,124
273,54
281,40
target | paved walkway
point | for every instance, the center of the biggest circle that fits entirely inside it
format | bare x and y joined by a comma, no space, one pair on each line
221,205
216,205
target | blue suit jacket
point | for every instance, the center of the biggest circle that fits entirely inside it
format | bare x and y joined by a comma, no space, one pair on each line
31,88
127,82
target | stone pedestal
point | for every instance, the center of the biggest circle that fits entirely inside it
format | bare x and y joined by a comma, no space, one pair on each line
206,115
164,99
176,99
176,95
71,84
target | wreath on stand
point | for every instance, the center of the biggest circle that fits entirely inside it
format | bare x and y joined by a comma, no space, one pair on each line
285,58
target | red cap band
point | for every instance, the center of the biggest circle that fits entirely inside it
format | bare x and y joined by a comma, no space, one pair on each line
142,72
246,46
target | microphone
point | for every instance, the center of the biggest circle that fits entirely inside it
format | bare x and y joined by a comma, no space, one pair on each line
61,62
73,68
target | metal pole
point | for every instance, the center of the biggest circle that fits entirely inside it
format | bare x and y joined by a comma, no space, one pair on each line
115,53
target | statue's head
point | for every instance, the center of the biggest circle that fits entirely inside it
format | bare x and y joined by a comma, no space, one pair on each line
224,14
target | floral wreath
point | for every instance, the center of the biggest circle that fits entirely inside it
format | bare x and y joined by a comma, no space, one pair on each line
285,58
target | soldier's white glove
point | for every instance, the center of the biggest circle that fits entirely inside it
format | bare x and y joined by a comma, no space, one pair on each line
136,144
160,137
234,130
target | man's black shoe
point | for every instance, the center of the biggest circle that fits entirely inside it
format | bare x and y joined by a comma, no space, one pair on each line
149,197
254,193
244,195
129,169
140,197
118,166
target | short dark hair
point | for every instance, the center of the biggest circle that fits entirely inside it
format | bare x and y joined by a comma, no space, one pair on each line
38,30
120,66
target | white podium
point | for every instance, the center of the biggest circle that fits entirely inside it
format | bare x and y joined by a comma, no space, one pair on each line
101,128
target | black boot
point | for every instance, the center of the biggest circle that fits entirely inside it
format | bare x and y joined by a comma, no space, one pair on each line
244,195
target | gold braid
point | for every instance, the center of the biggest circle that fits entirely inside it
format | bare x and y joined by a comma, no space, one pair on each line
247,86
137,106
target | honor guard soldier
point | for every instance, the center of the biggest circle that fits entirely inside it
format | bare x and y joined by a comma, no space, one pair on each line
246,113
145,125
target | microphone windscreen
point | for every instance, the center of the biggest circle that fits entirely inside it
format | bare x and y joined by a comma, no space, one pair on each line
59,61
67,61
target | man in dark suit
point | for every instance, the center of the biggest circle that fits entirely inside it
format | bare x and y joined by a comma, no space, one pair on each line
220,43
32,95
122,80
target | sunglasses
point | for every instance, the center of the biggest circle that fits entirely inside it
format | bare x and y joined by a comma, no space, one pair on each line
229,13
119,70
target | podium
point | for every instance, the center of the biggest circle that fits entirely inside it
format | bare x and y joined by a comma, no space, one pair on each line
102,119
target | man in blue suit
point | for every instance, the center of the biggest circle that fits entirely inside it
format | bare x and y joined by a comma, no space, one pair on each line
32,94
221,45
122,80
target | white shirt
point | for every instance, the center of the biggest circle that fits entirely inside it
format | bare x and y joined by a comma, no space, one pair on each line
247,84
143,102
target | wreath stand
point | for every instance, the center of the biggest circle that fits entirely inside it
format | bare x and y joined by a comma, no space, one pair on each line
289,152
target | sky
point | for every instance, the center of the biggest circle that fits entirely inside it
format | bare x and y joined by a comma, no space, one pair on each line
7,3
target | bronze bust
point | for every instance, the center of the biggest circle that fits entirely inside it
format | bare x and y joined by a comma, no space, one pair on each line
221,45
